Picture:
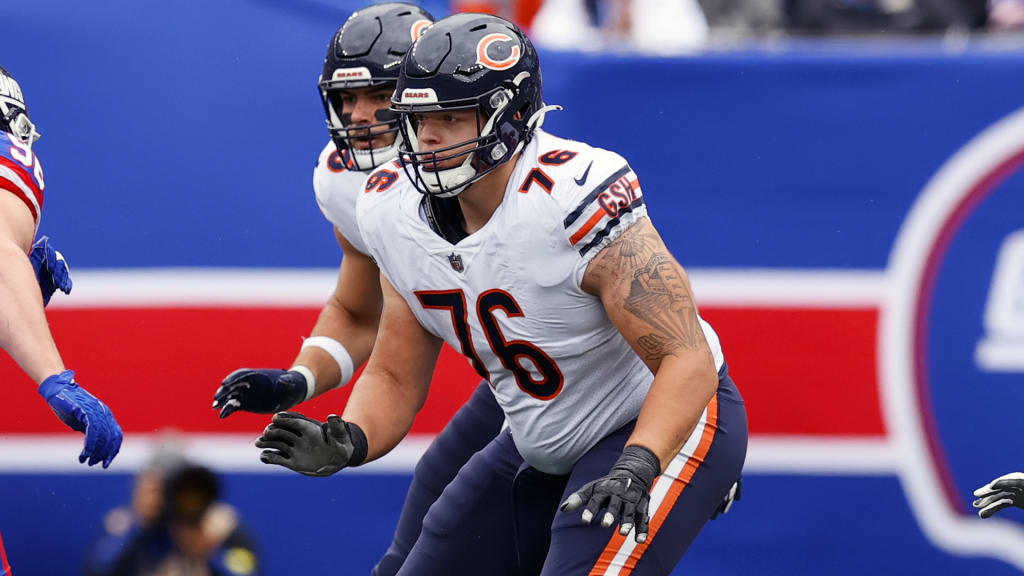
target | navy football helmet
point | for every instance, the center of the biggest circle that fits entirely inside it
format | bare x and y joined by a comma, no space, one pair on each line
469,62
13,111
365,52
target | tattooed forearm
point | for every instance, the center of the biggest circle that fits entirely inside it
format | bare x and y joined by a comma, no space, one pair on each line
654,290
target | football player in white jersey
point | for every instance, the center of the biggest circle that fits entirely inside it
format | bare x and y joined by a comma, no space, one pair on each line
29,275
533,256
356,84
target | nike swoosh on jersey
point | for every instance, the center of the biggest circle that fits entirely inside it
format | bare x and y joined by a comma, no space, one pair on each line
583,179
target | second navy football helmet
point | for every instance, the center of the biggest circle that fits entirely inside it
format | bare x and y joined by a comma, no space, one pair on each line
366,52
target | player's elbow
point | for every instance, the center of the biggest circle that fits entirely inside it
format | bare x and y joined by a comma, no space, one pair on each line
694,374
360,322
361,313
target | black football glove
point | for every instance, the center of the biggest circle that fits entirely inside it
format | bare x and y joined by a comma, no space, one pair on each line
624,492
735,494
263,391
1000,493
312,447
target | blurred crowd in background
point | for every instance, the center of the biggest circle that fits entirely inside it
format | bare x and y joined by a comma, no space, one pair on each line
679,26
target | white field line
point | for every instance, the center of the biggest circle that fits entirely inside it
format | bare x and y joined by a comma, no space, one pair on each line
26,453
304,288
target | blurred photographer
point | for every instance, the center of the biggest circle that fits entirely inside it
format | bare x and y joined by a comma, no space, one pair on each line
174,527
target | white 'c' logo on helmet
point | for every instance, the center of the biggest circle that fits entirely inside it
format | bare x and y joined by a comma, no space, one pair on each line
486,61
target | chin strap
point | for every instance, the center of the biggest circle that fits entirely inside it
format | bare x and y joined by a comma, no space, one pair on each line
453,178
466,170
366,160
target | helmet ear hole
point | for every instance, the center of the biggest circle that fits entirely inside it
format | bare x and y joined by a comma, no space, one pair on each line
524,111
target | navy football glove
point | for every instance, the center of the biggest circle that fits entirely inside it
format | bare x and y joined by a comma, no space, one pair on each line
83,412
312,447
262,391
624,492
51,269
735,494
1003,492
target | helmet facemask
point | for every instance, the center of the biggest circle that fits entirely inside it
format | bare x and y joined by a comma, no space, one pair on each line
18,125
13,112
344,134
506,118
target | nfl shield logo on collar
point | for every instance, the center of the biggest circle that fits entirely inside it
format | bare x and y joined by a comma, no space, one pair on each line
456,261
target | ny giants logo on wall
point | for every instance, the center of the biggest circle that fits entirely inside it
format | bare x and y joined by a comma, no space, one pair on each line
951,342
495,43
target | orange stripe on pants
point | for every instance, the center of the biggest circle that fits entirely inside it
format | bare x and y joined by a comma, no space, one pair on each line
675,490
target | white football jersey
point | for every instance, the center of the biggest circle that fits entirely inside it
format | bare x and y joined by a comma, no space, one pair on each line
337,187
508,296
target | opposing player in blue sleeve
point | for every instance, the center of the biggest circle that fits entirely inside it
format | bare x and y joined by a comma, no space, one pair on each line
356,84
51,269
29,275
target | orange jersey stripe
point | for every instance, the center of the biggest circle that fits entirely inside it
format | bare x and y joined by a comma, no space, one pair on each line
674,491
587,227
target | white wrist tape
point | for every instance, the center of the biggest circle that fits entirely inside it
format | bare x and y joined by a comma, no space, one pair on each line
310,379
337,351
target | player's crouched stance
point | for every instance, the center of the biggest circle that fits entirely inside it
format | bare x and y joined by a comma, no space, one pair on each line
26,336
533,256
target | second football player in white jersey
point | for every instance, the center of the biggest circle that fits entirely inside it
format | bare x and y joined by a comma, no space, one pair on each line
356,85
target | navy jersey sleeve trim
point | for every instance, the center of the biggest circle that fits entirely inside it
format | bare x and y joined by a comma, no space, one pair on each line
610,226
575,214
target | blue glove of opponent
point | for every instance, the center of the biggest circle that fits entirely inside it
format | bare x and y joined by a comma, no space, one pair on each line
84,413
51,269
262,391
